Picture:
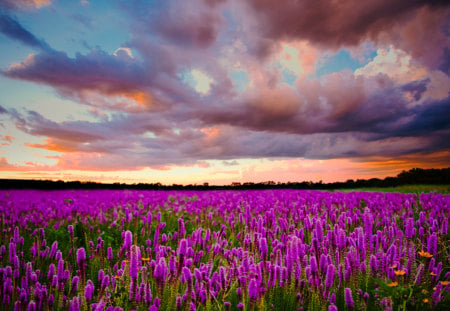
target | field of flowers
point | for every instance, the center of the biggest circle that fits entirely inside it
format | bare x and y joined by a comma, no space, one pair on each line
224,250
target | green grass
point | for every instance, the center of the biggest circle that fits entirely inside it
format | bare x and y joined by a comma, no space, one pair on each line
444,189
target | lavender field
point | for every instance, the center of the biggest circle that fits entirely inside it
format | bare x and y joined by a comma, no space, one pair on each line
224,250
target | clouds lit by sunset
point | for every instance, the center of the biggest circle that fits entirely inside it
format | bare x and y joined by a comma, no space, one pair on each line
223,91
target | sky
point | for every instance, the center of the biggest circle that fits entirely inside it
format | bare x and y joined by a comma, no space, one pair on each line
223,91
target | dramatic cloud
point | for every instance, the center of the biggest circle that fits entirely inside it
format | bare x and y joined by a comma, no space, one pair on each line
336,23
24,4
13,29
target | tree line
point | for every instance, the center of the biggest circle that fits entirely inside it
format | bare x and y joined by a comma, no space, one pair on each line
415,176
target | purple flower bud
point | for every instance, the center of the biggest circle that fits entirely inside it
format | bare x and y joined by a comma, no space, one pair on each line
31,306
75,280
240,305
252,289
100,306
128,239
101,274
182,248
178,302
263,247
332,308
51,272
366,296
239,292
105,281
313,264
54,249
109,254
330,276
333,298
187,276
432,244
89,290
60,269
70,227
81,256
348,297
135,261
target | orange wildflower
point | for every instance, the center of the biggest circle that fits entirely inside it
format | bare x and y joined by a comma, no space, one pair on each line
126,261
426,300
400,272
433,274
393,284
145,258
117,276
394,266
445,283
425,254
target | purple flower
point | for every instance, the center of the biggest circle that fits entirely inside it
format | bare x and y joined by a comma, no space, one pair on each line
181,228
135,261
432,244
128,239
348,297
60,270
109,254
187,276
313,264
160,272
70,228
253,289
182,248
75,280
100,306
333,298
330,276
89,290
263,247
105,281
332,308
54,249
31,306
81,256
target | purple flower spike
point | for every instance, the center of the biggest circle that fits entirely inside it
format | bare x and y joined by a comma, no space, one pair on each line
109,254
134,262
182,248
89,290
128,239
432,244
75,280
313,264
333,298
348,297
263,247
31,306
187,276
332,308
81,256
330,276
253,289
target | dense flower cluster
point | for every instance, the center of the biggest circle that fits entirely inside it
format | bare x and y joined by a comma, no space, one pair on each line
223,250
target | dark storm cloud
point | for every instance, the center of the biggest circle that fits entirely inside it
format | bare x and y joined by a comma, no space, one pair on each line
333,23
11,28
